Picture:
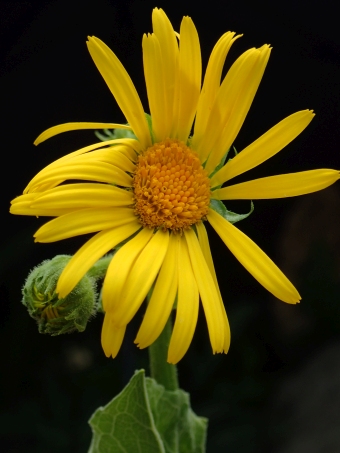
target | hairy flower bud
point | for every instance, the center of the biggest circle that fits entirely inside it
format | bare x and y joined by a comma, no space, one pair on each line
57,316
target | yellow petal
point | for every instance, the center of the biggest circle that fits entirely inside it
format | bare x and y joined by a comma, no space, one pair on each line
22,206
83,195
118,156
170,54
242,105
28,198
205,247
90,253
141,278
254,259
154,78
110,156
86,171
128,142
55,130
187,306
211,84
162,299
122,88
280,186
120,267
40,188
264,147
225,99
204,244
209,295
241,100
23,209
130,153
189,83
240,109
119,144
112,337
83,221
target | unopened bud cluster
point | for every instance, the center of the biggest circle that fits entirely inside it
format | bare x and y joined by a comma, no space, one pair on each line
57,316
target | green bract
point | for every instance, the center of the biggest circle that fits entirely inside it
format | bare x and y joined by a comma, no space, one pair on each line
232,217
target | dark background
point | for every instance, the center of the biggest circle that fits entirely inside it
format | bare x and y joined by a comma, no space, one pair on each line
278,389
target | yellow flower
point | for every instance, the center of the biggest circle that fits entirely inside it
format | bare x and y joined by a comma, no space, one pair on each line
155,192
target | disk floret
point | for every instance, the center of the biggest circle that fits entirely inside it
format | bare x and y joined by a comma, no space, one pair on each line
171,188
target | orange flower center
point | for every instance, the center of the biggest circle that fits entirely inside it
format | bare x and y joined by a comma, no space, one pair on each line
172,189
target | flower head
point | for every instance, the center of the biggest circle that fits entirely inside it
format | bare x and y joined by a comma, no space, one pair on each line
155,192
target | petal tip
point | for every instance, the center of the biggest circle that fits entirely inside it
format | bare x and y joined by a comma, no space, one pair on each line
172,361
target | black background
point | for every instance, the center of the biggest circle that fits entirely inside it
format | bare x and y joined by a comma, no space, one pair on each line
277,390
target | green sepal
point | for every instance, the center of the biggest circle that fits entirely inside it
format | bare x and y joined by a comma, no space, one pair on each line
114,134
221,164
232,217
146,418
149,121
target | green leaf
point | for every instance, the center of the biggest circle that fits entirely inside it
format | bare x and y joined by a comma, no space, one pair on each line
179,427
232,217
126,424
146,418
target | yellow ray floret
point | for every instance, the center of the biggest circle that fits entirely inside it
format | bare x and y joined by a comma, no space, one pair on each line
254,259
112,337
187,306
83,221
160,111
208,292
280,186
264,147
188,83
244,86
165,290
167,63
35,183
120,267
90,253
121,86
87,171
66,127
211,84
22,205
141,278
204,244
82,195
115,155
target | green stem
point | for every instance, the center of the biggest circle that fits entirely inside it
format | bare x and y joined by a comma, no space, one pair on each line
162,371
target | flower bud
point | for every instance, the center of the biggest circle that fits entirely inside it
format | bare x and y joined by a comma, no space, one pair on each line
57,316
